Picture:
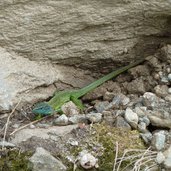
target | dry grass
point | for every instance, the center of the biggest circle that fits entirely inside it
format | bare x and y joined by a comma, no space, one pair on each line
137,159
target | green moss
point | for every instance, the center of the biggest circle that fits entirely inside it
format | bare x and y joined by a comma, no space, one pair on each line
108,136
13,160
103,138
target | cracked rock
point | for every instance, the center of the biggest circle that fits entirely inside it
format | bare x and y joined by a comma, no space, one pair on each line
44,161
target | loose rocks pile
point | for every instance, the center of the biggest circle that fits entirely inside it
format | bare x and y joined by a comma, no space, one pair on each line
137,100
142,102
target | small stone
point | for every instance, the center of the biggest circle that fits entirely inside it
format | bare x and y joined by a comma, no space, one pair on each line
119,100
61,120
108,117
159,121
140,70
158,140
32,126
101,106
108,96
161,90
119,113
72,142
94,117
142,127
167,161
169,90
160,157
140,111
121,123
166,52
77,119
156,76
113,87
131,117
164,79
43,125
154,62
146,120
161,74
150,100
146,137
136,86
168,69
168,97
150,96
44,161
16,125
70,108
169,77
87,160
6,144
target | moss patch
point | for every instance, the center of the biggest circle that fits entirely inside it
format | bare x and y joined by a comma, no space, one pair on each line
101,142
108,136
13,160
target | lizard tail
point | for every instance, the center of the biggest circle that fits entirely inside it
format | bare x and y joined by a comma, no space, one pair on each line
107,77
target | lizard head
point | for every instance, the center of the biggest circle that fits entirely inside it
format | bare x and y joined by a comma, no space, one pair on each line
43,109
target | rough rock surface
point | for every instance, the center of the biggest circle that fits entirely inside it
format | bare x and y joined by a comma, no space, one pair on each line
83,32
31,81
50,133
44,161
167,161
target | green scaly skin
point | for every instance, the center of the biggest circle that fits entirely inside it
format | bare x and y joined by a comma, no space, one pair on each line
62,97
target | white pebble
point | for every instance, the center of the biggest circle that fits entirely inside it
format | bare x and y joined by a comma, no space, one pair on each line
88,161
169,77
169,90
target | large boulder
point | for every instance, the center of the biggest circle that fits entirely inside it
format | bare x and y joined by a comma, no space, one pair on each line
35,36
27,82
84,33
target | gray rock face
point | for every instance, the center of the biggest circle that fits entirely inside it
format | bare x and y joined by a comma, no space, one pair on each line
21,75
77,33
30,81
69,31
43,133
44,161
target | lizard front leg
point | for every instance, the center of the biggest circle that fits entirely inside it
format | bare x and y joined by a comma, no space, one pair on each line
77,102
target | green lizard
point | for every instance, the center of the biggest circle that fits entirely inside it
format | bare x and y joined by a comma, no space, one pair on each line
61,97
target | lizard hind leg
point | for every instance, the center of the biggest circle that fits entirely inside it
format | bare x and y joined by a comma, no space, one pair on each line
77,102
